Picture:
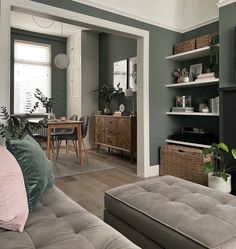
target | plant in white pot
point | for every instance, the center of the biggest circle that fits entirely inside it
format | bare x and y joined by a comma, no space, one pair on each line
218,155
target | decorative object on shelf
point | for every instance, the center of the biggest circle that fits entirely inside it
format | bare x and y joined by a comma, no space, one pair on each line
183,101
117,114
46,101
185,46
130,93
205,109
121,108
133,73
18,127
62,60
106,93
194,71
205,40
214,105
181,75
120,75
218,177
202,102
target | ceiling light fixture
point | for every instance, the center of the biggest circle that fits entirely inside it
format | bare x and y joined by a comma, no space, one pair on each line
62,60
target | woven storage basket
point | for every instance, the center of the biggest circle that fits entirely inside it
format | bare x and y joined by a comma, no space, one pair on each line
183,162
205,40
185,46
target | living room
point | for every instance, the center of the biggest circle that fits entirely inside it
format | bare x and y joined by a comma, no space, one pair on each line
155,41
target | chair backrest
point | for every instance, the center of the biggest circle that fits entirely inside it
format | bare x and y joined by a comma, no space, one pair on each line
84,126
74,117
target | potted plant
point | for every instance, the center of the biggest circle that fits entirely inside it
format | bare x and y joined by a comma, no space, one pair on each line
181,75
46,101
17,127
218,156
106,93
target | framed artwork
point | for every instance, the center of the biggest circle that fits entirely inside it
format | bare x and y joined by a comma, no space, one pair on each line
120,74
194,71
133,73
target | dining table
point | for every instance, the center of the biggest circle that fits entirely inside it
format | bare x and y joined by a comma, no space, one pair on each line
53,124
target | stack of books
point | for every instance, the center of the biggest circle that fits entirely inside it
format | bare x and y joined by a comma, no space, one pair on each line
205,77
182,109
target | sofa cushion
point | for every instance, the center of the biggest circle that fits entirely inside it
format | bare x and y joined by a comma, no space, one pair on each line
36,168
13,200
59,223
176,213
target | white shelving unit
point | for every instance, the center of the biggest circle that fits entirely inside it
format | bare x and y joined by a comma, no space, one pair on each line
193,54
181,57
209,114
194,84
187,143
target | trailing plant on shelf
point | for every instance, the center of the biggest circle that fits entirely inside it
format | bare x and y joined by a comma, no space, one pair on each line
16,127
219,155
214,55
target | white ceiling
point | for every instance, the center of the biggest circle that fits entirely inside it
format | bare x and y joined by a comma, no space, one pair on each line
26,22
177,15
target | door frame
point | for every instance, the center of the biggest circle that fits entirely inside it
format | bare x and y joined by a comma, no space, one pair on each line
142,37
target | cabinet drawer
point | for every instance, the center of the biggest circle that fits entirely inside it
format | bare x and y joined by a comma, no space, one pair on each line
110,126
110,140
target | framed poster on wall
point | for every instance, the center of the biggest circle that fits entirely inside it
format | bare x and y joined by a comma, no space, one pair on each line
120,74
133,73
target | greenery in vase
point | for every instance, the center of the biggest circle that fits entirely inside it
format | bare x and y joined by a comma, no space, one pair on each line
17,127
107,92
214,55
46,101
180,73
219,155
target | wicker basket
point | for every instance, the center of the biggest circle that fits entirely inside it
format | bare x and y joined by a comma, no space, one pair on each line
205,40
185,46
183,162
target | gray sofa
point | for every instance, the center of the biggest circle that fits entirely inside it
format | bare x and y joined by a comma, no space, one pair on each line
171,213
59,223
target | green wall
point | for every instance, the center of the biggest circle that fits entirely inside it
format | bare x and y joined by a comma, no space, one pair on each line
227,45
114,48
58,44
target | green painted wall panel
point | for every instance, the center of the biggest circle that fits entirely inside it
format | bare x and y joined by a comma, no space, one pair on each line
227,45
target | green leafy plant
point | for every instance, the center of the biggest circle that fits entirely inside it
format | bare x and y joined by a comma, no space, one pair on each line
107,92
46,101
219,155
16,127
214,54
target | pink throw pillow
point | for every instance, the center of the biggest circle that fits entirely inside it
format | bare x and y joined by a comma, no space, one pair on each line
13,200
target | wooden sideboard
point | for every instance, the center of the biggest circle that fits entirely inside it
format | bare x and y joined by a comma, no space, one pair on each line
116,132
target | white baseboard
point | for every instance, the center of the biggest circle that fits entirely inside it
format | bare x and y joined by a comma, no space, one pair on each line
152,171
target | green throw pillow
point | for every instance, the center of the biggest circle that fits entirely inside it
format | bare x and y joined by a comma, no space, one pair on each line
36,168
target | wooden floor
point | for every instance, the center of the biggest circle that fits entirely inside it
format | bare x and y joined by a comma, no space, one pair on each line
88,189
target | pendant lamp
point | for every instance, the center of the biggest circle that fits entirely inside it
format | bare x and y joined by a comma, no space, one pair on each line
62,60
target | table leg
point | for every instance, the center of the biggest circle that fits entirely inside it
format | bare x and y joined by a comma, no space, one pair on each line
80,144
49,142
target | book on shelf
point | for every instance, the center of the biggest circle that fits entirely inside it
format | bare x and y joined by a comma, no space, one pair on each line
182,109
206,77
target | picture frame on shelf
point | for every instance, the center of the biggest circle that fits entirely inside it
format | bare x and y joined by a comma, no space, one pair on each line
194,71
120,74
133,73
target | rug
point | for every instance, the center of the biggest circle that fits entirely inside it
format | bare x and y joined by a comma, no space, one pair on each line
71,167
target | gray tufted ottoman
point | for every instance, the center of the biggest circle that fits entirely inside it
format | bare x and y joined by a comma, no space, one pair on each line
171,213
60,223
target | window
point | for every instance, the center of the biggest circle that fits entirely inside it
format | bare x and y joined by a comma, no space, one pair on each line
32,69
